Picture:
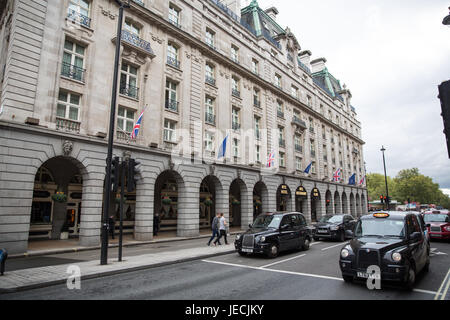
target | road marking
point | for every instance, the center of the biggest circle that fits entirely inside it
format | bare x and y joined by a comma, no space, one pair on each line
301,274
281,261
316,242
442,286
436,253
336,245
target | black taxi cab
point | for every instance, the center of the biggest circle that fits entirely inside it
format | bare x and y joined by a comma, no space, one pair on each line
393,241
272,233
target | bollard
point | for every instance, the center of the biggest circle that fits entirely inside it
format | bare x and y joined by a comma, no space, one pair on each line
3,257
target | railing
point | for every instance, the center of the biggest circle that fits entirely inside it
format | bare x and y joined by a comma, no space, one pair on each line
296,120
236,93
210,80
313,153
282,143
122,135
134,40
172,105
235,126
173,62
78,17
267,35
256,102
210,118
325,158
280,114
175,23
129,90
258,135
298,148
311,129
139,2
67,125
73,72
304,67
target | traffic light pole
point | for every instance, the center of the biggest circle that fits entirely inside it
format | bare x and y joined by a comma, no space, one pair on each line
104,233
385,178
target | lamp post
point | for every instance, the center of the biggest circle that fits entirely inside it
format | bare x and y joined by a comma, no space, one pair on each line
385,177
104,234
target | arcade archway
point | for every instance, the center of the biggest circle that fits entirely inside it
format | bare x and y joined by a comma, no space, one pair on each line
301,200
315,204
283,198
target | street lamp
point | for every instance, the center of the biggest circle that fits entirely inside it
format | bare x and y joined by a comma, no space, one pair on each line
446,21
104,234
385,177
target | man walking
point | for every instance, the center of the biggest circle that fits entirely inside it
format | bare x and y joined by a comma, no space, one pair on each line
215,228
222,230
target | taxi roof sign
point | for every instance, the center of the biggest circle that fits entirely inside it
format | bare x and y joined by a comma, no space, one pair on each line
381,214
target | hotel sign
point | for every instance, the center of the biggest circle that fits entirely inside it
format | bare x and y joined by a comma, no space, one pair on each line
315,193
284,189
301,192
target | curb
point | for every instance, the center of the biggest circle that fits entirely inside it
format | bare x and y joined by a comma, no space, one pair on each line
115,272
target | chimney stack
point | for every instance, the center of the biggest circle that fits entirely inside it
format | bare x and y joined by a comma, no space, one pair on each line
318,65
305,58
272,12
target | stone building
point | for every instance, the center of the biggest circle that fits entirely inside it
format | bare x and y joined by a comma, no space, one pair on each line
202,70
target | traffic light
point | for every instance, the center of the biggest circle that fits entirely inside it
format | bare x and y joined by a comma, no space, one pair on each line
133,174
444,96
382,199
115,173
387,200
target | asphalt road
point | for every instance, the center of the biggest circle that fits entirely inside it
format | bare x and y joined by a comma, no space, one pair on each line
296,275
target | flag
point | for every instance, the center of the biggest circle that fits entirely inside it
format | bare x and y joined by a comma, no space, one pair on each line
352,180
337,175
223,148
137,126
271,160
308,168
362,180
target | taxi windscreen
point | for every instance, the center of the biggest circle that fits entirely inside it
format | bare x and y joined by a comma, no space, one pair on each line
266,221
380,228
436,217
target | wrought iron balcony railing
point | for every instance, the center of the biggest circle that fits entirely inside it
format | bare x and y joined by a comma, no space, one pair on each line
298,148
236,126
134,40
282,143
172,105
73,72
210,80
236,93
210,118
313,153
299,122
256,102
129,90
139,2
173,62
79,18
280,114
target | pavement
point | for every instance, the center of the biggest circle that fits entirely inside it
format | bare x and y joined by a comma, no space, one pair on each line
49,263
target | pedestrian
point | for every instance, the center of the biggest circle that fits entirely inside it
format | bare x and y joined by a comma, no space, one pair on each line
222,230
112,225
156,222
215,228
3,257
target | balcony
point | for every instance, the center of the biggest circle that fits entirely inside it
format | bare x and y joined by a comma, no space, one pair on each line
72,72
313,153
256,102
258,135
210,118
355,151
236,93
134,42
311,129
122,135
280,114
139,2
300,124
173,62
172,105
79,18
210,80
67,125
298,148
325,158
235,126
129,91
282,143
175,23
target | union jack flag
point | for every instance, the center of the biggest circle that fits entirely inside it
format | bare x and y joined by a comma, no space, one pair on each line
362,180
271,160
137,126
337,175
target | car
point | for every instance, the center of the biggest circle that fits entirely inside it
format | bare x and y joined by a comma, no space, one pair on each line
274,232
423,225
333,227
439,224
391,240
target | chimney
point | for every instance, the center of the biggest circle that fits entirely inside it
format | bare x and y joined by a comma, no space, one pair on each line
318,65
272,12
347,95
305,58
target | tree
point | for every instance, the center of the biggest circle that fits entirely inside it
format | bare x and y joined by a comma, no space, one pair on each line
376,186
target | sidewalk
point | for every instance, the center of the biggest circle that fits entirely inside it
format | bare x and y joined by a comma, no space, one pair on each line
53,263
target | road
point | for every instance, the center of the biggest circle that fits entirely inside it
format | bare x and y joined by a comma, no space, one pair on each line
295,275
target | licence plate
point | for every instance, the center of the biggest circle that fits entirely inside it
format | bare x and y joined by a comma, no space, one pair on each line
322,231
247,250
366,275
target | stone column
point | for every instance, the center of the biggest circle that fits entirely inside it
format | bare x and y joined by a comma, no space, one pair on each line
246,206
143,218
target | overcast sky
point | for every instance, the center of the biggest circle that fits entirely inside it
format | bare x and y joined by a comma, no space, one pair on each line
392,55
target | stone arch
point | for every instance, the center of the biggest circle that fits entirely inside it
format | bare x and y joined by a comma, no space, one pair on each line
315,204
357,205
345,206
284,197
260,198
352,205
240,203
301,200
337,203
328,203
211,200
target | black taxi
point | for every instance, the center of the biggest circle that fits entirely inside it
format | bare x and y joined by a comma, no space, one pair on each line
272,233
393,241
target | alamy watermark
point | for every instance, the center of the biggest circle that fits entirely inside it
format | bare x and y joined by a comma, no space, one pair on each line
74,279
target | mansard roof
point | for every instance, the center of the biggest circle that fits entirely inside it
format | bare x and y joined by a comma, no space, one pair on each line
328,83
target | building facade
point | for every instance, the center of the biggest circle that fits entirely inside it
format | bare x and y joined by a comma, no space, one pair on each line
203,73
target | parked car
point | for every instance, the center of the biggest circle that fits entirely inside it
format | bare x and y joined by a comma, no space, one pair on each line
439,224
272,233
393,241
333,227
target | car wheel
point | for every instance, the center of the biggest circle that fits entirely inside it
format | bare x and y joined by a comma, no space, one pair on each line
347,278
426,267
411,278
242,254
273,251
316,239
306,244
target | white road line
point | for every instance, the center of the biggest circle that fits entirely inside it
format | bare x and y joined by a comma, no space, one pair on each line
316,242
442,286
281,261
301,274
336,245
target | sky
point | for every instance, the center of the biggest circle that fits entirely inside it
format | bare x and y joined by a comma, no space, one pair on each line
392,55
